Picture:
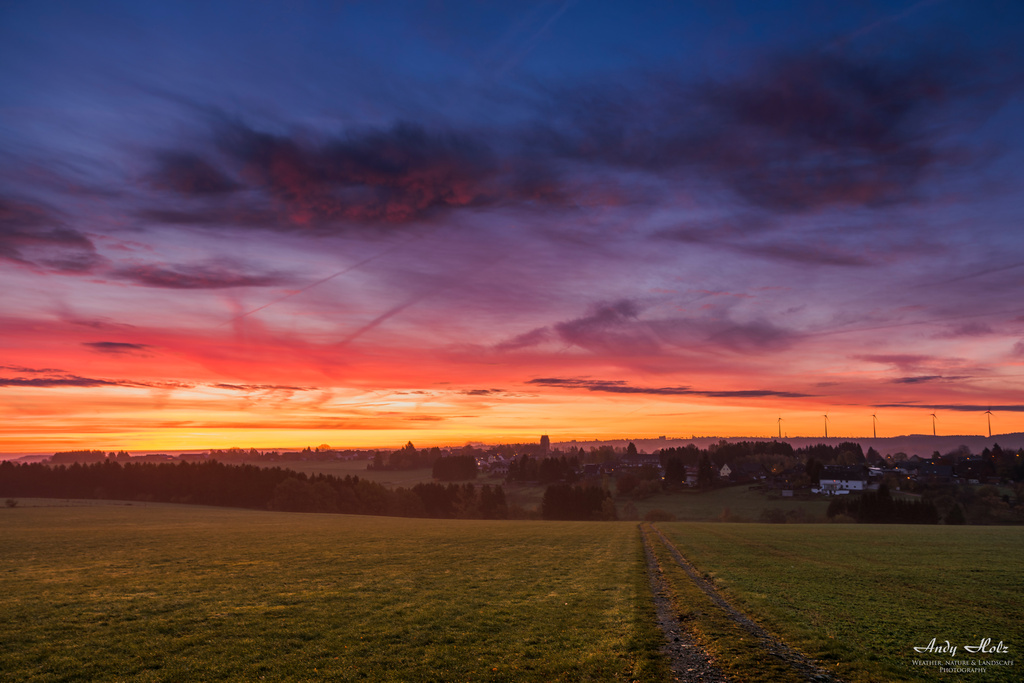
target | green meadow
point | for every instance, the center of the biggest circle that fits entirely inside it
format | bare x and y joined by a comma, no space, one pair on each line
115,591
173,593
859,598
742,503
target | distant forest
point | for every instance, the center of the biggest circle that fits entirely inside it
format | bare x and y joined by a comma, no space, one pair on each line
579,485
249,486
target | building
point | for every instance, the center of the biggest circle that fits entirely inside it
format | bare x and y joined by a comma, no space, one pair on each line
842,480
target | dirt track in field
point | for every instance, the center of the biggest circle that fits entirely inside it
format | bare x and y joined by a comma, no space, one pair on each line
690,661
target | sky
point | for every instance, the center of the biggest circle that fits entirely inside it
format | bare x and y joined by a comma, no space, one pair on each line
279,224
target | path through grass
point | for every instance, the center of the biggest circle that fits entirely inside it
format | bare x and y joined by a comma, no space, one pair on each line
859,598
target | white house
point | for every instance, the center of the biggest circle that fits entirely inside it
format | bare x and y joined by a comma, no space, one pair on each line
841,480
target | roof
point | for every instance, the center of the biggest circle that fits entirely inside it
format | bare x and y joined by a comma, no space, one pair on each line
844,472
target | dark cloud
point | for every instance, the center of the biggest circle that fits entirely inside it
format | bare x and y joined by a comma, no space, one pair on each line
16,368
609,327
483,392
33,235
62,379
795,133
391,176
616,327
959,407
972,329
534,337
259,387
214,275
753,336
817,130
903,361
116,347
621,387
190,174
383,176
56,381
97,324
920,379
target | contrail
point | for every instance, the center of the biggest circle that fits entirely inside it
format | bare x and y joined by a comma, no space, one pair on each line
320,282
882,22
382,317
395,310
970,276
533,40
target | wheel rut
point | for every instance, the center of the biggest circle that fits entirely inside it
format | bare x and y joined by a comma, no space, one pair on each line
673,628
689,661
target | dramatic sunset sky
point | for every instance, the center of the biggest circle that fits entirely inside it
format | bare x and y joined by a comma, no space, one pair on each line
285,224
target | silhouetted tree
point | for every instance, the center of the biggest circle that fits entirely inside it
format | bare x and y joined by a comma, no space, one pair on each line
705,473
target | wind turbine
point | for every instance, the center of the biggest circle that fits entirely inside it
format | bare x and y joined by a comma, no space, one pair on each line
933,423
989,414
874,425
826,425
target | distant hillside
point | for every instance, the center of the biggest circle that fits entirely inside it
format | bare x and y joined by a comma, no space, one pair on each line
912,444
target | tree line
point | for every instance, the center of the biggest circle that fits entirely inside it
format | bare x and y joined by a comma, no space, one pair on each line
543,470
585,503
455,468
879,507
249,486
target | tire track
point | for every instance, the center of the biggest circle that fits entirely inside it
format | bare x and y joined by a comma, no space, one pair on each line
802,665
690,663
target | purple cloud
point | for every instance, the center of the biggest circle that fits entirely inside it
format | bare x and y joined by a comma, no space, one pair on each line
116,347
621,387
191,175
798,132
32,235
959,407
248,388
59,381
214,275
534,337
920,379
609,327
47,371
483,392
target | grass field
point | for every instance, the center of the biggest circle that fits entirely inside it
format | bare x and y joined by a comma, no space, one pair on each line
860,598
160,592
740,503
105,591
